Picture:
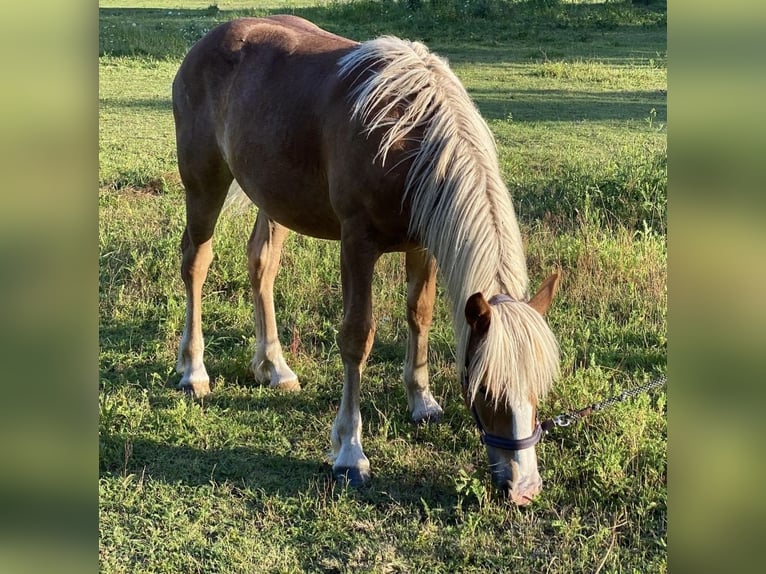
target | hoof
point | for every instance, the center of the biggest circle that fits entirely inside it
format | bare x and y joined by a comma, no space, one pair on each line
292,386
424,409
349,476
276,375
197,390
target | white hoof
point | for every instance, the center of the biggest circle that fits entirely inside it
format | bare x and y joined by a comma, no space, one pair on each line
425,409
278,376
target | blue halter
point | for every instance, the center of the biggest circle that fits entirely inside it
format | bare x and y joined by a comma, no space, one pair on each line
496,441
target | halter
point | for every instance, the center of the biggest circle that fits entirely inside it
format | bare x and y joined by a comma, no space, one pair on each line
498,441
492,440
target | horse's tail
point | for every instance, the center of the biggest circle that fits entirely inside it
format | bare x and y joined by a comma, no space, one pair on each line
236,200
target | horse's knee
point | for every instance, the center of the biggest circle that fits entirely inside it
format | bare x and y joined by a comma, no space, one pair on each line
195,259
356,339
256,262
419,316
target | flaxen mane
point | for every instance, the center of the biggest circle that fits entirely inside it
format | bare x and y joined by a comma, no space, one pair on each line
461,209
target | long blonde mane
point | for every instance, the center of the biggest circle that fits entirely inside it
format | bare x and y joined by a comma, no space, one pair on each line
461,209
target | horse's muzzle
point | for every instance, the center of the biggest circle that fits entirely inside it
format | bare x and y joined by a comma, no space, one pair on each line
521,496
521,490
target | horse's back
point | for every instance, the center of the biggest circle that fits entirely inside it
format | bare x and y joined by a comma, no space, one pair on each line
256,48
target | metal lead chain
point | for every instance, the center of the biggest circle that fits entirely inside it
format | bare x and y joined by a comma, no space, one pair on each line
566,419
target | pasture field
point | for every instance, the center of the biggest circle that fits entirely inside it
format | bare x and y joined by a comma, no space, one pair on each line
575,94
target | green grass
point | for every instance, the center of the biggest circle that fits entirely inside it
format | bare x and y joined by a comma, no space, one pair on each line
575,95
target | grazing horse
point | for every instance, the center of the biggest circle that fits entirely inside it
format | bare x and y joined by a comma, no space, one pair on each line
378,145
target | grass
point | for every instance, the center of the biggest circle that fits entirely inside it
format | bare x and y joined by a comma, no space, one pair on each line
575,95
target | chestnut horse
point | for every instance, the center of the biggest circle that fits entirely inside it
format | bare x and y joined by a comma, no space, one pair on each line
378,145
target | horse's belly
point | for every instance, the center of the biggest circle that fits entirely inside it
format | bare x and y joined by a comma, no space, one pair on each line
307,222
298,205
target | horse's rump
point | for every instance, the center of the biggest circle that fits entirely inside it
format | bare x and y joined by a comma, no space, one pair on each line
263,97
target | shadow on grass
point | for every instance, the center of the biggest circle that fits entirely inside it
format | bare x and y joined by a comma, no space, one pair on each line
158,104
523,105
567,106
251,468
241,465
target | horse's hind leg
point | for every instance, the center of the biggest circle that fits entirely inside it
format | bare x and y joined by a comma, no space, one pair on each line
205,193
263,253
421,291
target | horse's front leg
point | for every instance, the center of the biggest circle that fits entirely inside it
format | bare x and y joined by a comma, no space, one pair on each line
421,292
263,254
358,259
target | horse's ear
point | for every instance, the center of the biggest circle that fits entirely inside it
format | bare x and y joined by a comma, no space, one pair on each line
477,313
542,299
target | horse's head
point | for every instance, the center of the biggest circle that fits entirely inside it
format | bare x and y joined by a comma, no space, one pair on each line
512,360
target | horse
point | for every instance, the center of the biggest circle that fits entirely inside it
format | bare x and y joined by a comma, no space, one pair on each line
378,145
